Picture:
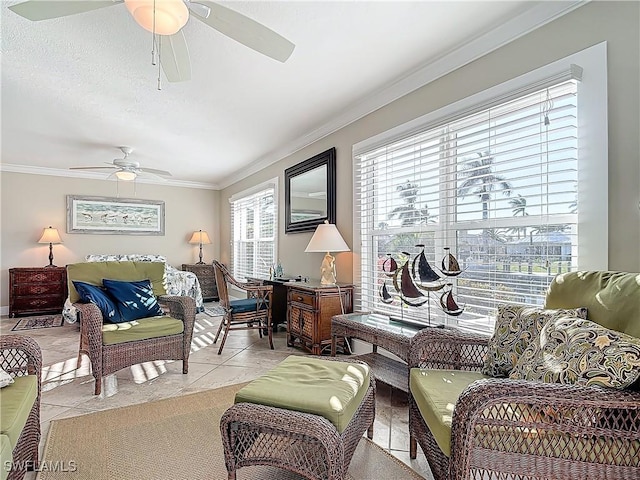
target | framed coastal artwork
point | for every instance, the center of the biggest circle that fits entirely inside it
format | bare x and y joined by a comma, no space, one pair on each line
116,216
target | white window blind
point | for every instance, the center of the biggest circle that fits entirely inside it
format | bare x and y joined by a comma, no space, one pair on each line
497,185
254,220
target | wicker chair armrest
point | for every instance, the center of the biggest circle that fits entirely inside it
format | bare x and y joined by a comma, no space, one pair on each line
447,348
565,424
91,319
180,307
27,362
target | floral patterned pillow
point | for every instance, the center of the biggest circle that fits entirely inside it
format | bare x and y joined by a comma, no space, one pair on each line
516,328
576,351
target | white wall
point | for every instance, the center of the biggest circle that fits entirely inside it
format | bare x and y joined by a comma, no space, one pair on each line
614,22
32,202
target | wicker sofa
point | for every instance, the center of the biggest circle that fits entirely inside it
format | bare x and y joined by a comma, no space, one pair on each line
176,282
21,357
165,337
501,428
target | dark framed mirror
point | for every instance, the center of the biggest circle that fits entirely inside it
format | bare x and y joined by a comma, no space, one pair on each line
310,193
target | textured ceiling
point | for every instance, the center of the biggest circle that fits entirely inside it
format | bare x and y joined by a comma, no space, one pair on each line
75,88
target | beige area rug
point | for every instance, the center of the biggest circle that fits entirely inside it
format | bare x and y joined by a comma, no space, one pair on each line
176,438
41,321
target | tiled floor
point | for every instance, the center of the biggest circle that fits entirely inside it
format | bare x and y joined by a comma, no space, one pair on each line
68,390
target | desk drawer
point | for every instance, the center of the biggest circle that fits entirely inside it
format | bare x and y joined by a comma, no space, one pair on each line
302,298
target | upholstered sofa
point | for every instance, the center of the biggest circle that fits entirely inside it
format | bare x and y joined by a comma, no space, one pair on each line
176,282
112,345
471,425
21,358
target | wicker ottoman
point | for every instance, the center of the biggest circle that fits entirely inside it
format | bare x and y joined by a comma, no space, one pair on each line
306,415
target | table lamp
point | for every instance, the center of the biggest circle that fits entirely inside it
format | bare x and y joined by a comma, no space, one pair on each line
50,235
327,239
200,237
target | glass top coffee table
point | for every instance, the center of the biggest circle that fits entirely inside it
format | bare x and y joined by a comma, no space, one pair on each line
380,331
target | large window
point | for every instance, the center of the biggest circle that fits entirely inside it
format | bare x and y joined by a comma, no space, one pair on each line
499,181
255,224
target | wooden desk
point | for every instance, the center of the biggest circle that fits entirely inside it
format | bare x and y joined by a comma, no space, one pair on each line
378,330
278,301
310,307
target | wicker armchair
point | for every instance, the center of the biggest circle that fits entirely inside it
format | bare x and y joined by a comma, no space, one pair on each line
109,358
505,428
252,313
20,355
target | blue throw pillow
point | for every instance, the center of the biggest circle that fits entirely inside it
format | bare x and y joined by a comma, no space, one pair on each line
134,299
98,296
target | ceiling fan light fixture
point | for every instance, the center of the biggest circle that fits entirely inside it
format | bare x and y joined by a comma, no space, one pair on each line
170,15
125,175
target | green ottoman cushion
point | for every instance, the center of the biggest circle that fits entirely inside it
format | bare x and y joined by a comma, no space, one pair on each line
151,327
333,390
16,401
436,393
6,455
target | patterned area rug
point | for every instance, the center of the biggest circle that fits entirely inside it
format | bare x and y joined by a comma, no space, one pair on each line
42,321
177,437
214,311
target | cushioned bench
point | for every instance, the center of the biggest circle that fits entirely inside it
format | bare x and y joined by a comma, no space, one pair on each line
306,415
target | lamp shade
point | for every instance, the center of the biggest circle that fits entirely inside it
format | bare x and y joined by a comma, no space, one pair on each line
164,17
327,238
50,235
199,237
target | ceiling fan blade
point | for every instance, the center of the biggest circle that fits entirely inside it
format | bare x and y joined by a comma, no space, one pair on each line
174,57
155,171
36,10
147,174
246,31
92,168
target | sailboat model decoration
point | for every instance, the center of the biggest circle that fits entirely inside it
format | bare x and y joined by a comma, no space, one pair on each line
414,285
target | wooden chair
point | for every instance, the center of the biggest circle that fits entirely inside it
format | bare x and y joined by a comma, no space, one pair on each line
251,313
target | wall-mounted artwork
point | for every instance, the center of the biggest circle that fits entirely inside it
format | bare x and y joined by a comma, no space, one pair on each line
117,216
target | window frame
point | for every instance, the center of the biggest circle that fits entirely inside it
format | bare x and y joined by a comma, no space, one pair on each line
271,184
592,150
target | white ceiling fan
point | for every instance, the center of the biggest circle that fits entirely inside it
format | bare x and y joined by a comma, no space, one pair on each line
126,169
166,19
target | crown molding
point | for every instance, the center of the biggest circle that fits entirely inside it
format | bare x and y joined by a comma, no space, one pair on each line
59,172
539,15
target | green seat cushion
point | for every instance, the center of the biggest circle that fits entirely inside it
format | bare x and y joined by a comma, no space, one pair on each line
16,401
333,390
436,393
142,329
6,455
611,298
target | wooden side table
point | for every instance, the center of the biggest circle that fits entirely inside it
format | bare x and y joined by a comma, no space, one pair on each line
37,290
310,307
206,277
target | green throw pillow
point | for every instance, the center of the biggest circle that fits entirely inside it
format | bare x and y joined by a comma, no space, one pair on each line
516,328
576,351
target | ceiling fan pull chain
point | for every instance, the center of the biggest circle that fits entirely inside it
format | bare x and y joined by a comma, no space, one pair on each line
159,64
